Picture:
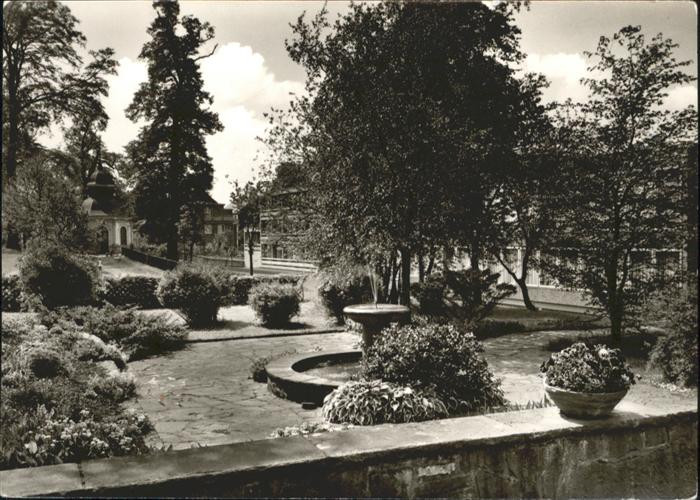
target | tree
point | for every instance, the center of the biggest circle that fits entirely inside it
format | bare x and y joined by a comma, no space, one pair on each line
169,156
626,175
84,149
191,227
248,200
403,129
45,205
43,75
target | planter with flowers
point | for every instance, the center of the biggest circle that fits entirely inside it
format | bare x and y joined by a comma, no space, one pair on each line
585,381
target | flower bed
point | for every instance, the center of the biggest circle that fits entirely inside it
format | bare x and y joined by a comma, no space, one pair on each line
57,405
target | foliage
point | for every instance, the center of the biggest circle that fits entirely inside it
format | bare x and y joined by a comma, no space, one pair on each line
43,73
138,291
57,407
11,293
194,292
637,345
257,369
169,156
248,200
625,189
478,292
405,104
275,305
236,288
44,206
676,353
137,335
56,277
307,428
438,358
338,290
487,329
582,368
373,402
430,295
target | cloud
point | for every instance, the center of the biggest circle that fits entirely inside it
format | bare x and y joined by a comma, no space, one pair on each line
681,97
235,75
122,87
563,70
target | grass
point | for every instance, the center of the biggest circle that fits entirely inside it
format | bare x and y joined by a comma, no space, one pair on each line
111,266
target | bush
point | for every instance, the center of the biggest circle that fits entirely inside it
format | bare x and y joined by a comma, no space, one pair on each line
73,415
136,334
582,368
487,329
337,291
194,292
430,295
478,292
257,370
53,276
137,291
11,293
275,305
375,402
438,358
676,353
239,287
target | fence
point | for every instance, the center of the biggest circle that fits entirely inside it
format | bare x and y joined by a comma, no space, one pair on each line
151,260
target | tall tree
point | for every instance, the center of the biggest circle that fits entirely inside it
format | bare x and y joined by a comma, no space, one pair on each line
405,125
249,200
626,178
43,75
169,156
45,204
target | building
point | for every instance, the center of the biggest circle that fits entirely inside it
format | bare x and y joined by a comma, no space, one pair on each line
219,219
108,217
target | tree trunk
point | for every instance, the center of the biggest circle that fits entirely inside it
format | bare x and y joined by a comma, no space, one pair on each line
526,294
405,277
394,294
421,268
475,261
251,251
615,315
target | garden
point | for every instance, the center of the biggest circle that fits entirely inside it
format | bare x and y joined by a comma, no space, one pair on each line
95,365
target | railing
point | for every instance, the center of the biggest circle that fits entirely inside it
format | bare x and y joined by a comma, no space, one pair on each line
151,260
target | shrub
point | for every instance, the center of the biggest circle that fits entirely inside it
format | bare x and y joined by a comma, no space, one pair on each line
676,353
430,295
55,277
487,329
11,293
257,370
275,305
239,287
72,416
138,291
137,335
582,368
373,402
194,292
438,358
478,292
337,291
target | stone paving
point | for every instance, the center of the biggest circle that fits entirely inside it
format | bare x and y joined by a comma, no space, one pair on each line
202,395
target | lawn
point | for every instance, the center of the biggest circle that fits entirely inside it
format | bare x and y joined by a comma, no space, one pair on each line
111,266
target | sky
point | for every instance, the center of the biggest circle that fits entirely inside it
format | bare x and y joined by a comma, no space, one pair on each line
250,71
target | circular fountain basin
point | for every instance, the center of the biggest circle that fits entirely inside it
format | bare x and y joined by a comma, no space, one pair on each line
375,317
310,377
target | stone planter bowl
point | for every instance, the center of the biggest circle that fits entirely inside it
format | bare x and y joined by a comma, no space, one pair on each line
375,317
583,404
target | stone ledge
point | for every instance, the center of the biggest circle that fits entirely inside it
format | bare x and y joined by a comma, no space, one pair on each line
203,336
354,458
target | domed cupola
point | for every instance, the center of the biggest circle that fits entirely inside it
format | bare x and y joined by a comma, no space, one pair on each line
101,187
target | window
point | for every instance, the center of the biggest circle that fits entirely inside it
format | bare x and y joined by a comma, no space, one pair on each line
207,229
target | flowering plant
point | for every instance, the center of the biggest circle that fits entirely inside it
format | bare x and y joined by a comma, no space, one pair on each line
582,368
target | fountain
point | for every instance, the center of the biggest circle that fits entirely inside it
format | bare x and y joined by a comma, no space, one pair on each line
309,377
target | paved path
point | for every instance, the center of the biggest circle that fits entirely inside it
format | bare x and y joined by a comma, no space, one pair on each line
202,394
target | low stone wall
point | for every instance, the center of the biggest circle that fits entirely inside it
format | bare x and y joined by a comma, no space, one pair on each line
536,453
